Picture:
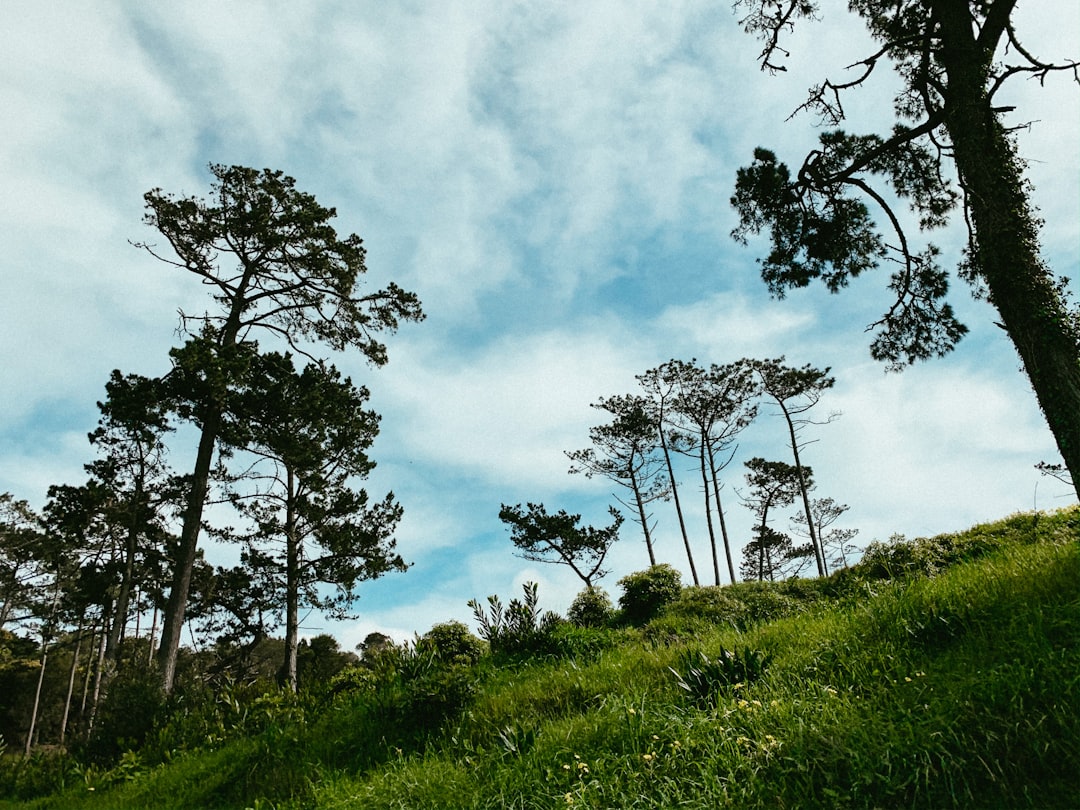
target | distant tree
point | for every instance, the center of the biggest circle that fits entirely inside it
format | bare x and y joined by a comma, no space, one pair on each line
773,484
21,567
275,266
715,405
559,539
309,433
624,452
953,60
661,386
320,659
137,486
834,541
795,391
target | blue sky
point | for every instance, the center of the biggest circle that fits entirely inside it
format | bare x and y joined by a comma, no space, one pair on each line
552,179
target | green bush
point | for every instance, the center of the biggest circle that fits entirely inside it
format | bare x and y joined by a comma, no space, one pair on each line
591,608
715,605
646,592
133,707
452,643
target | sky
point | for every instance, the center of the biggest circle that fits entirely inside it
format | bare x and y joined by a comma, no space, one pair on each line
552,180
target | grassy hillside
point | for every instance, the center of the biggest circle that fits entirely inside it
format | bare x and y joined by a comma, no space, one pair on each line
937,673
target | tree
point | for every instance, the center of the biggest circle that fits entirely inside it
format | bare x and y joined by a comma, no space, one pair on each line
772,484
559,539
623,451
826,512
716,404
796,391
21,567
275,266
137,485
309,433
953,57
661,387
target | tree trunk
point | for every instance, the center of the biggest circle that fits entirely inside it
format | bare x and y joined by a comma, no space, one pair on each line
723,523
292,587
37,694
1021,287
819,555
172,624
639,499
675,495
708,513
98,672
71,683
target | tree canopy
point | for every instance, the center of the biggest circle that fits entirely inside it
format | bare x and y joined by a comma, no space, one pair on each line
952,151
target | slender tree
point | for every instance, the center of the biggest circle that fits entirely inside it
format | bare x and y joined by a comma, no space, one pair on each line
661,386
137,485
275,266
559,539
310,433
954,58
623,451
715,406
773,484
795,391
826,512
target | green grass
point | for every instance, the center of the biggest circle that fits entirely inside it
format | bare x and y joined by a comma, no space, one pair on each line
941,674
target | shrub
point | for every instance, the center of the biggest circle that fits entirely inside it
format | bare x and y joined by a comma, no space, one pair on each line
712,604
452,643
515,629
645,592
132,708
591,608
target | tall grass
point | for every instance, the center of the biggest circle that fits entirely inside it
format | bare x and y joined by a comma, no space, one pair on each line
938,674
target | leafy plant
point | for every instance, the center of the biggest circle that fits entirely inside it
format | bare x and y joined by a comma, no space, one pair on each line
703,678
645,592
591,608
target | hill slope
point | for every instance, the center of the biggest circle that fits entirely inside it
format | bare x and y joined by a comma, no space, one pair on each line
937,673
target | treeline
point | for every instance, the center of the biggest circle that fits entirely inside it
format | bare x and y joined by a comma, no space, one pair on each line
111,572
689,411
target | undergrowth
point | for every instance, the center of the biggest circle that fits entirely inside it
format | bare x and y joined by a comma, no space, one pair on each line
938,673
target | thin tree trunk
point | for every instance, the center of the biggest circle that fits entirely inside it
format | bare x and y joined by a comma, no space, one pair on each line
89,673
71,683
638,498
37,694
153,637
172,625
819,556
675,496
708,514
99,670
292,587
723,522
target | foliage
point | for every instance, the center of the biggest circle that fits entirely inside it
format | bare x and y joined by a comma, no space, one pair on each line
126,718
452,643
947,691
953,61
623,452
646,592
591,608
558,538
276,267
702,677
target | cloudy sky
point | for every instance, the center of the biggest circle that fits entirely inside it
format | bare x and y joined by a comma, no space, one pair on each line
552,179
